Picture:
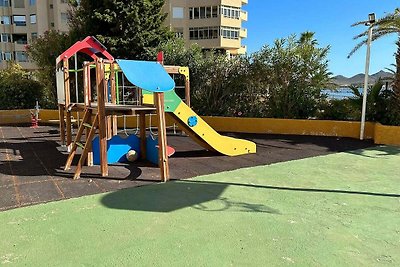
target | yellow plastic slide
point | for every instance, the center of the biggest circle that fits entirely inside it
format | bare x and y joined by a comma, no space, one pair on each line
206,136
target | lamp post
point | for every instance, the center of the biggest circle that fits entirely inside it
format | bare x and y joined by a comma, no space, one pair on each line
369,23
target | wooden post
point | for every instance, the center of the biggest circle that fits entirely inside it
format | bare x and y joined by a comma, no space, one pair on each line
142,132
187,91
86,84
87,99
107,100
162,137
101,85
62,123
113,99
67,103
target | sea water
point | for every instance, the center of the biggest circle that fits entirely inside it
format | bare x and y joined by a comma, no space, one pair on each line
341,93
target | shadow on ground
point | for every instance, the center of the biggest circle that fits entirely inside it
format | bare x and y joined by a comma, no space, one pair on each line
178,195
189,193
32,160
382,151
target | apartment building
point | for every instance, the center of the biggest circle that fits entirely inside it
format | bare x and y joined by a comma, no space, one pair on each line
24,20
210,23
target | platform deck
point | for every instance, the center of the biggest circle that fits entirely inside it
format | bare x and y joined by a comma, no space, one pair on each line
116,109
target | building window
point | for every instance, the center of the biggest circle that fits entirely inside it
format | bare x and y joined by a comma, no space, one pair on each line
196,13
204,12
7,56
32,2
51,6
64,1
19,20
215,11
230,12
19,3
6,20
203,33
32,18
20,38
178,32
177,13
5,3
21,56
208,12
230,32
6,38
34,36
64,17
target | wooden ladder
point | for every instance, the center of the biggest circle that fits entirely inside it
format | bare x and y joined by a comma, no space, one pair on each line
86,124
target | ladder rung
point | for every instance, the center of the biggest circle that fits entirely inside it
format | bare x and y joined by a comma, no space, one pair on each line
87,125
80,145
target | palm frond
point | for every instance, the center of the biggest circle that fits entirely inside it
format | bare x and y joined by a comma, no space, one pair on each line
389,24
358,46
358,23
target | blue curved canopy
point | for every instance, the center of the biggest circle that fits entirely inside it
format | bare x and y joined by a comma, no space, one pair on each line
148,75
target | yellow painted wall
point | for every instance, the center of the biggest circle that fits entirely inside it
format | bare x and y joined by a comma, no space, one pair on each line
381,134
15,116
286,126
387,135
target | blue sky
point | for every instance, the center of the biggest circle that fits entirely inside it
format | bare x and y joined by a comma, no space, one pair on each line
330,20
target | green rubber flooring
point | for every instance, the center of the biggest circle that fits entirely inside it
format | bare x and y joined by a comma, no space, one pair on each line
341,209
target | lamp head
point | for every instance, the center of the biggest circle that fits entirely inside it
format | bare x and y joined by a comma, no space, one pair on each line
371,18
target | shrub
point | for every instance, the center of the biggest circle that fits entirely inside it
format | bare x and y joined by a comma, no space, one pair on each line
18,90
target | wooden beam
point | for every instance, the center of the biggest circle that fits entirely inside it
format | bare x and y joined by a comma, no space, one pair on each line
89,161
86,84
162,137
67,103
142,132
187,91
101,84
86,149
86,116
172,69
113,99
62,123
88,100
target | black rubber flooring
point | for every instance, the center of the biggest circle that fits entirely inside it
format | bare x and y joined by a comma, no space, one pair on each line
31,163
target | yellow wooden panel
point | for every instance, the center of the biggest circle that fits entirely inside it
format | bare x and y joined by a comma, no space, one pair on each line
148,99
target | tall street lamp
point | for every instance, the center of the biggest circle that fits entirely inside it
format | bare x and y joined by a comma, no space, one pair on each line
369,23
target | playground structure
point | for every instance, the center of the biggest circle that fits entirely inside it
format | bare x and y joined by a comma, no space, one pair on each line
155,94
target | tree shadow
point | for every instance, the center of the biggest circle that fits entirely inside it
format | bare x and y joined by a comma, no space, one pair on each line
383,151
313,190
94,173
43,157
177,195
32,158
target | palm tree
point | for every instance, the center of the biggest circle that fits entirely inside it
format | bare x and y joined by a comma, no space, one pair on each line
308,37
390,24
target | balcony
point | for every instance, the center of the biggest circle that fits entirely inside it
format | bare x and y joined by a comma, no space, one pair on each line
242,50
243,15
243,33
